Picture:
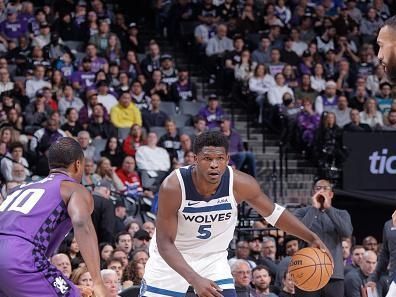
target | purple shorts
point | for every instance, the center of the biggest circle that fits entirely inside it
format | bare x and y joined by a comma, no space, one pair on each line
23,273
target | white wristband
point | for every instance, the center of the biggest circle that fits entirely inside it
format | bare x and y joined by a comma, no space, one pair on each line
274,216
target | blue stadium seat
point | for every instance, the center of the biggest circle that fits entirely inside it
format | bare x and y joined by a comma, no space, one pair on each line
190,107
169,108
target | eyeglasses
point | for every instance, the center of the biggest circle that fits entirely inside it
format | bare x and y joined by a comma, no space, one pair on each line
325,188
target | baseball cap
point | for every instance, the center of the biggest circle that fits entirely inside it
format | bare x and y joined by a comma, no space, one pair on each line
40,93
44,25
165,57
331,84
102,83
132,25
142,234
306,53
213,97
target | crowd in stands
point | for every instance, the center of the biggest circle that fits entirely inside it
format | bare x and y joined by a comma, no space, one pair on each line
83,69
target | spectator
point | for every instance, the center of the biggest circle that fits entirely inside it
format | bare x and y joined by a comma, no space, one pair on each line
262,55
12,27
104,96
391,121
107,172
86,111
360,98
307,123
261,280
370,243
90,178
152,61
133,40
5,82
370,25
327,101
355,281
130,65
62,263
183,88
127,172
132,226
44,137
170,141
44,37
318,82
219,44
37,82
154,117
238,155
139,97
242,251
288,55
141,240
19,177
275,65
82,277
275,93
111,282
185,147
291,244
288,289
384,99
342,112
103,214
212,112
99,127
375,80
357,253
123,241
15,155
72,127
199,123
242,274
133,274
168,70
113,152
330,225
101,39
84,139
125,113
153,162
149,227
69,100
133,141
121,255
371,116
355,124
84,78
155,85
55,48
97,63
304,90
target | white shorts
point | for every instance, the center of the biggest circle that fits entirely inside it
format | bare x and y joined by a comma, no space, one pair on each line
161,280
392,290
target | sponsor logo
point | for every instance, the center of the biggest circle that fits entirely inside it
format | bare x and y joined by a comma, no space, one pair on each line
192,203
61,285
381,163
209,218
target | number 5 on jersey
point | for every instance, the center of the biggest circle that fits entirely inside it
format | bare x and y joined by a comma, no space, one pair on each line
204,231
22,200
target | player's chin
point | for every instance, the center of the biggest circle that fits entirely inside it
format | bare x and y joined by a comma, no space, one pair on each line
213,178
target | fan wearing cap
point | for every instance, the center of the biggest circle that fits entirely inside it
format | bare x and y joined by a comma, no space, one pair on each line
37,112
183,88
141,240
85,77
13,27
103,217
133,42
238,155
328,100
212,112
168,70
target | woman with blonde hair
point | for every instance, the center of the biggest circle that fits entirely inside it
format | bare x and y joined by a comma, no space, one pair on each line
371,115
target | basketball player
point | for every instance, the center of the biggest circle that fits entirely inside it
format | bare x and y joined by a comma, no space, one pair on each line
196,221
36,217
387,48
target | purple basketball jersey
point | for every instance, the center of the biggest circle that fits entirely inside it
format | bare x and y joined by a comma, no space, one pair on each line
36,212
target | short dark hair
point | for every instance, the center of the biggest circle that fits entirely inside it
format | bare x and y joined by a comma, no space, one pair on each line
261,267
64,152
210,138
355,247
117,238
15,145
391,22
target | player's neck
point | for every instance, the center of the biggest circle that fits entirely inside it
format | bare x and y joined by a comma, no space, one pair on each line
61,171
203,187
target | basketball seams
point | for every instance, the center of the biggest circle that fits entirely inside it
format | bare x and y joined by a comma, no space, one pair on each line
308,278
321,270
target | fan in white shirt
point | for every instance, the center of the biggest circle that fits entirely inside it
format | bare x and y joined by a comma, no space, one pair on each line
275,94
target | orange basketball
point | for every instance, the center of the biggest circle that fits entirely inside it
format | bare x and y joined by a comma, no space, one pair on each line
310,269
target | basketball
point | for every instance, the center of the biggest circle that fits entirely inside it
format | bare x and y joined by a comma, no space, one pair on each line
310,269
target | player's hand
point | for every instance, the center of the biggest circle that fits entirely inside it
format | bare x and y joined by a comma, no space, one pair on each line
85,291
318,243
100,290
206,288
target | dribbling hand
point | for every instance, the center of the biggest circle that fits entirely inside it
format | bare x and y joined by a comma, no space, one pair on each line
317,243
206,288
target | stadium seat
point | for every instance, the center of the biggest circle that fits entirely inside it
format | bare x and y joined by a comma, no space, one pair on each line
169,108
158,130
123,133
74,45
190,107
182,120
187,130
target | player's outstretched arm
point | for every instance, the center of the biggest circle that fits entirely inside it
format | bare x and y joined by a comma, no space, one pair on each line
80,207
247,189
169,201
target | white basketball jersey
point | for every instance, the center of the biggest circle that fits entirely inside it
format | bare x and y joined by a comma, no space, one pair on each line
205,226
